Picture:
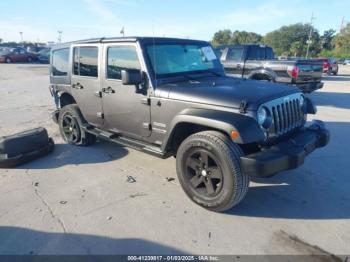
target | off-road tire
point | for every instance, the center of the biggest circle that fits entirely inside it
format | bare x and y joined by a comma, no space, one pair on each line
72,112
235,183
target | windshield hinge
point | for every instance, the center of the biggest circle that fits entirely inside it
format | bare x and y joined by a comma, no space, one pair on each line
243,106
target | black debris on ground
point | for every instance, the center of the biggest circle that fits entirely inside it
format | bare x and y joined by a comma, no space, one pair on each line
130,179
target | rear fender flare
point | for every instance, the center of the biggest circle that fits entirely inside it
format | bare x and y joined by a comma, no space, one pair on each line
263,71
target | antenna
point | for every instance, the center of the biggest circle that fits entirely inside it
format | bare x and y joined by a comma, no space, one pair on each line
310,33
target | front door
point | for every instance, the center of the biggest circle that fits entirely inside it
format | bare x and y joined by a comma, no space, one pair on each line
125,107
86,84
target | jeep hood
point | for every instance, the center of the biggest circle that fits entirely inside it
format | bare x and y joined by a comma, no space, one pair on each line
227,91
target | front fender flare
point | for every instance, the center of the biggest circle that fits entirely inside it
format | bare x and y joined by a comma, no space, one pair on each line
248,128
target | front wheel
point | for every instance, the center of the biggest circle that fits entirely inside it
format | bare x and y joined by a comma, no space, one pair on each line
208,168
8,60
70,121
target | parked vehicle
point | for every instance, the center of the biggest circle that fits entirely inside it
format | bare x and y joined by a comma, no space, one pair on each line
170,97
44,56
330,66
258,62
347,61
341,61
17,54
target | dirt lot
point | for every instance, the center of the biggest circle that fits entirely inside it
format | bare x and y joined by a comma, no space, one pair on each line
77,200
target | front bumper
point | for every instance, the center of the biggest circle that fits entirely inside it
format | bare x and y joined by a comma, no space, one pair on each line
309,87
287,154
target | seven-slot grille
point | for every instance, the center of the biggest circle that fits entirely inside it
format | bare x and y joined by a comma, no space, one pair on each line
287,114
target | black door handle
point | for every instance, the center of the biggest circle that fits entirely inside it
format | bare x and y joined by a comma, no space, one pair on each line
108,90
77,86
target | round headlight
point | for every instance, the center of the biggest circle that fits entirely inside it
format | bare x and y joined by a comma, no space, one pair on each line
262,115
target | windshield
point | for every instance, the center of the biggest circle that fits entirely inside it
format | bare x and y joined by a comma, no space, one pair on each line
178,59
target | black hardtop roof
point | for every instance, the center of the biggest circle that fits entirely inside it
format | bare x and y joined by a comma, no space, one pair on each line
142,39
243,45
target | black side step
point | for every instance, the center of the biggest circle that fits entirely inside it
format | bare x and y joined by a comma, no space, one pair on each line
125,141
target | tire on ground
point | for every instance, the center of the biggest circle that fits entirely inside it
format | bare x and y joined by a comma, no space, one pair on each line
84,138
235,182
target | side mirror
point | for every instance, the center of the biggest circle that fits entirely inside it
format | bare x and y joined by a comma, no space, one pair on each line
131,77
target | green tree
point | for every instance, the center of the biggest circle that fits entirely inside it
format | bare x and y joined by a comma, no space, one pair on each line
243,37
326,39
226,37
283,39
342,40
222,37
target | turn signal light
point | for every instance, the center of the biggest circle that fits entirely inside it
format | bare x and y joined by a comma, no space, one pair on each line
234,134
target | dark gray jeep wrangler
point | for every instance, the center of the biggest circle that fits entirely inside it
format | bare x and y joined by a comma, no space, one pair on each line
170,97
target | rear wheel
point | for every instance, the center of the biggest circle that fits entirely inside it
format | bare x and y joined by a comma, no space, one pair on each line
8,60
70,121
29,59
208,167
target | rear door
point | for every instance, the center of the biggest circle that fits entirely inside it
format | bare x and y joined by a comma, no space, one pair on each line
85,82
126,107
234,62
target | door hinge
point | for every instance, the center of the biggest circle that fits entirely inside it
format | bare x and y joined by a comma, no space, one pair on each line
147,126
100,115
98,94
146,101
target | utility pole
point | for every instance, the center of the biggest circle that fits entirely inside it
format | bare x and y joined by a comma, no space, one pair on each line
59,36
341,24
21,34
310,34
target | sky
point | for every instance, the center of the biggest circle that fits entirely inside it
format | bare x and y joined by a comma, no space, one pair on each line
198,19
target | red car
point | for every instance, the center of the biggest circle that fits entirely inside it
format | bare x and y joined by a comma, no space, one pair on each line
330,66
12,55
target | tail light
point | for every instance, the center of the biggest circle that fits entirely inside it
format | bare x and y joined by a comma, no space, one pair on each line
325,65
293,71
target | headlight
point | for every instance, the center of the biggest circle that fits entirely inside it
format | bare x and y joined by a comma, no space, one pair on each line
264,117
301,101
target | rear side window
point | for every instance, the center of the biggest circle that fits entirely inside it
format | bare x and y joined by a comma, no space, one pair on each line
85,61
60,60
119,58
269,53
256,53
235,54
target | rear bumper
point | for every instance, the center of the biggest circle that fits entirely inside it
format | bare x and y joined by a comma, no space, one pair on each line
287,154
309,87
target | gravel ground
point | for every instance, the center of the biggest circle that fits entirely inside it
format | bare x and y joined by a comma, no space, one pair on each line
78,200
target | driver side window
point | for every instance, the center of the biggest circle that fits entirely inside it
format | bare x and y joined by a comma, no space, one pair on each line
119,58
